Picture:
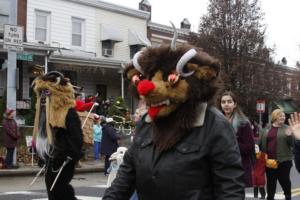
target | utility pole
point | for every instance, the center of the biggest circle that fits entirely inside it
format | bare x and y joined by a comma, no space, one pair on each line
12,62
12,69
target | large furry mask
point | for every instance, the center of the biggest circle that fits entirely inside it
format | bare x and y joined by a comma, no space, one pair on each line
167,78
173,82
55,96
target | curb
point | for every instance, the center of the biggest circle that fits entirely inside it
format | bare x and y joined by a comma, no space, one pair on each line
33,171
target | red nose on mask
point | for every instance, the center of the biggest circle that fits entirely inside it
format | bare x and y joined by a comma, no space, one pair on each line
144,87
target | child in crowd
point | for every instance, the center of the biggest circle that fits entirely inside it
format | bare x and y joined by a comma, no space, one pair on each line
259,171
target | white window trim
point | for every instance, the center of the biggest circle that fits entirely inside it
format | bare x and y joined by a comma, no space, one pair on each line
48,15
2,25
82,21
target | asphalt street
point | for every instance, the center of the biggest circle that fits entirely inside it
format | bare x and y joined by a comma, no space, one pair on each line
91,186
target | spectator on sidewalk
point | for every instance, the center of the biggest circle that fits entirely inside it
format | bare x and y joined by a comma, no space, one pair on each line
244,134
11,135
276,141
294,123
97,129
109,143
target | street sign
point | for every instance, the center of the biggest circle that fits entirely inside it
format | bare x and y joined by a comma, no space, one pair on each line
25,57
13,37
260,106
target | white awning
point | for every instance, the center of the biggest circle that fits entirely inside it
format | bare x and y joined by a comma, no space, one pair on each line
111,33
134,38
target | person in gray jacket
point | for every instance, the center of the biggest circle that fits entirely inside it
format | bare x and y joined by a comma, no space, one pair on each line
184,148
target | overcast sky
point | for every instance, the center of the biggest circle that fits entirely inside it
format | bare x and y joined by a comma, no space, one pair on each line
283,28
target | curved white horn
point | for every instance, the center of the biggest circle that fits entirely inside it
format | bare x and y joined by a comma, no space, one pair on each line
173,43
123,66
58,79
135,62
183,60
33,82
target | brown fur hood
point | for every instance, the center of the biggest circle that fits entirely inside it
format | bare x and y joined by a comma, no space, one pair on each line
60,100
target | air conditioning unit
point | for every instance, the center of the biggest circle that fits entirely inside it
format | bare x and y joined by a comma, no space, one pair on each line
108,52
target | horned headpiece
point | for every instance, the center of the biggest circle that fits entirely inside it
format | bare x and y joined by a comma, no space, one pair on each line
55,94
173,81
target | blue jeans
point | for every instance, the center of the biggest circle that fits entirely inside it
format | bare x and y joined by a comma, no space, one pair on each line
97,146
134,196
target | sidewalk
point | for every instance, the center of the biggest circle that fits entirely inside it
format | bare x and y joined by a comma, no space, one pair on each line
28,170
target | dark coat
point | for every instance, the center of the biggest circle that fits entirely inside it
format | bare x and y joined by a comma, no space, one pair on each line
68,141
109,142
11,133
297,154
246,144
206,164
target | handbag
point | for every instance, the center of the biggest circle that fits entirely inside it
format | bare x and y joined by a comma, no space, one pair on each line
272,164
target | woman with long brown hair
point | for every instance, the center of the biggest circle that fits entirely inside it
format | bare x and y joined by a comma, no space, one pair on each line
244,133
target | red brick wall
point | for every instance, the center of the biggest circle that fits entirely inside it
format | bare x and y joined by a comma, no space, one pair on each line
22,10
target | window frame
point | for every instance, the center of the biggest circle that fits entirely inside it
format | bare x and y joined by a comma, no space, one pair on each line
46,14
82,34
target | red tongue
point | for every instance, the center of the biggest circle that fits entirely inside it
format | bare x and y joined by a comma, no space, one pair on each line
153,111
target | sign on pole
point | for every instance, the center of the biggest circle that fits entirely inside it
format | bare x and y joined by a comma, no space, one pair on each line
260,106
13,37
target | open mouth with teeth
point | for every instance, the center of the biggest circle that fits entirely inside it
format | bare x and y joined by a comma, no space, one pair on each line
155,108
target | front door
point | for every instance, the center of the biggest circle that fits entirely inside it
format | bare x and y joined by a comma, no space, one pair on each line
102,91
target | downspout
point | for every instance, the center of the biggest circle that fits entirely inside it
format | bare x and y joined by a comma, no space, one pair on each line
122,80
122,85
46,62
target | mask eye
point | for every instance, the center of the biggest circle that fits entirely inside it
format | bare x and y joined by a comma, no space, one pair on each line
173,78
137,78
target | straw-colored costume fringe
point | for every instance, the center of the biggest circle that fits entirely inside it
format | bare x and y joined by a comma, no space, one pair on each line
57,105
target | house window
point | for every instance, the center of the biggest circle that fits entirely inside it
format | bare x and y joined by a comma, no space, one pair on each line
107,48
134,49
77,32
42,24
3,20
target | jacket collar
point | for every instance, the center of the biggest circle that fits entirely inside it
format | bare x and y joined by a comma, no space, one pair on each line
200,117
